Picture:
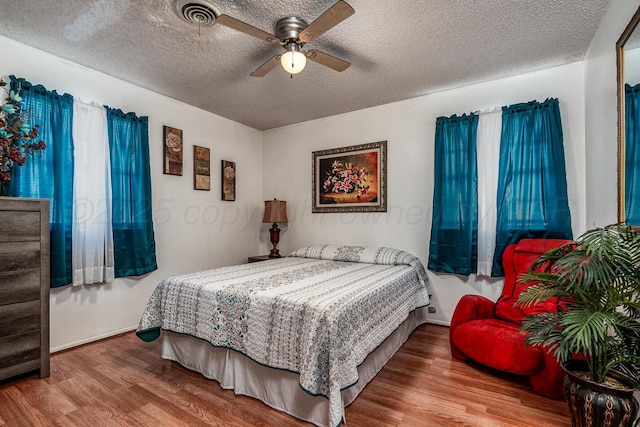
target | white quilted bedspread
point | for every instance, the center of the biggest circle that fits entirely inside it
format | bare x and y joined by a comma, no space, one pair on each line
318,312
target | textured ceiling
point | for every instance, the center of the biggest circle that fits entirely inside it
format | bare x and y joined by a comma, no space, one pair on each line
398,49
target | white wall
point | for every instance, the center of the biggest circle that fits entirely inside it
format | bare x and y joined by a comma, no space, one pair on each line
409,128
601,115
193,229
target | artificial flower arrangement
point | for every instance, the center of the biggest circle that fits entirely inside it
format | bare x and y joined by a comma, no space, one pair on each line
17,136
346,178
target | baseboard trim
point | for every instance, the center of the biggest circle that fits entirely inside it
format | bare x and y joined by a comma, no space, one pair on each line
93,338
439,322
133,328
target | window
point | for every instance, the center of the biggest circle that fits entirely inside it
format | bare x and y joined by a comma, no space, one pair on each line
126,198
531,197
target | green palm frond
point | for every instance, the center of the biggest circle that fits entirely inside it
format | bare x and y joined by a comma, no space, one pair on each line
598,278
539,292
585,331
542,330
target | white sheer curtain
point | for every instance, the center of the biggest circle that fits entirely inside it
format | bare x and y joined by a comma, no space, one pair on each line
92,235
488,152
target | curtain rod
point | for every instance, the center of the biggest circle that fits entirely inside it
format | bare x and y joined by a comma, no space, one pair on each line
489,110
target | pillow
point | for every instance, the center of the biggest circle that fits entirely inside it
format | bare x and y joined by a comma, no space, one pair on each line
331,252
364,254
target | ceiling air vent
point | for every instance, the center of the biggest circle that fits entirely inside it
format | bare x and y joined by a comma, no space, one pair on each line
201,12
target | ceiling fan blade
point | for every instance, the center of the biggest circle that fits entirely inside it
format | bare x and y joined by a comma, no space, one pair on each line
327,60
330,18
262,70
230,22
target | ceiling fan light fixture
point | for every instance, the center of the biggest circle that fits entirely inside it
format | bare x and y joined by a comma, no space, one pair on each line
293,34
293,60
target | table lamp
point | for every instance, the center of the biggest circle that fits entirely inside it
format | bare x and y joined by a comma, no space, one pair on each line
275,211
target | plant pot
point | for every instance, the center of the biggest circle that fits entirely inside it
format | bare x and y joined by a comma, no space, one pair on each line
592,404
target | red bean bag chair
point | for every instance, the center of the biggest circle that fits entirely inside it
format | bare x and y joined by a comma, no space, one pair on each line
488,332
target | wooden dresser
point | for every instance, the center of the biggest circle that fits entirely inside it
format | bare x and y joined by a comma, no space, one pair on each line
24,286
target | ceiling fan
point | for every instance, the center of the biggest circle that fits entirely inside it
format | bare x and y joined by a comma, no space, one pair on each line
293,33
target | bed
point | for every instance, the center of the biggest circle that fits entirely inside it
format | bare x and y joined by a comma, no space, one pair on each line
303,333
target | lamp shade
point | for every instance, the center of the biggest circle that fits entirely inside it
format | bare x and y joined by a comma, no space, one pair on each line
293,61
275,211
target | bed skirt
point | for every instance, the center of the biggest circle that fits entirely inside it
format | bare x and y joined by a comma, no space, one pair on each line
277,388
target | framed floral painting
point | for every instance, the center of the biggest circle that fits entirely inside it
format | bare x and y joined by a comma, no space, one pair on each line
350,179
228,180
172,151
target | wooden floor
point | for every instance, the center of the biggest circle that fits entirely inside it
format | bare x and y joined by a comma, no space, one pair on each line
122,381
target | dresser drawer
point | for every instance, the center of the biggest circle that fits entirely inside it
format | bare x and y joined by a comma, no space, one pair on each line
19,286
24,286
19,349
17,256
19,226
19,318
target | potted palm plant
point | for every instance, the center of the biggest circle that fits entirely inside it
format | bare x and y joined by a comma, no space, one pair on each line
595,333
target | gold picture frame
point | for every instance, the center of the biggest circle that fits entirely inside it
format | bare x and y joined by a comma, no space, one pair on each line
350,179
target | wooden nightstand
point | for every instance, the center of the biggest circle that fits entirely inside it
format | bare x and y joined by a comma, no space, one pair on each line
259,258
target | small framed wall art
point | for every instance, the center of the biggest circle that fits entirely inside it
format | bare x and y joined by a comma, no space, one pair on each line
228,180
350,179
172,151
201,168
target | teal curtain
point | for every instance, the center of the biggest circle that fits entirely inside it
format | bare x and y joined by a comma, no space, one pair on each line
133,236
454,228
532,185
632,154
48,173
